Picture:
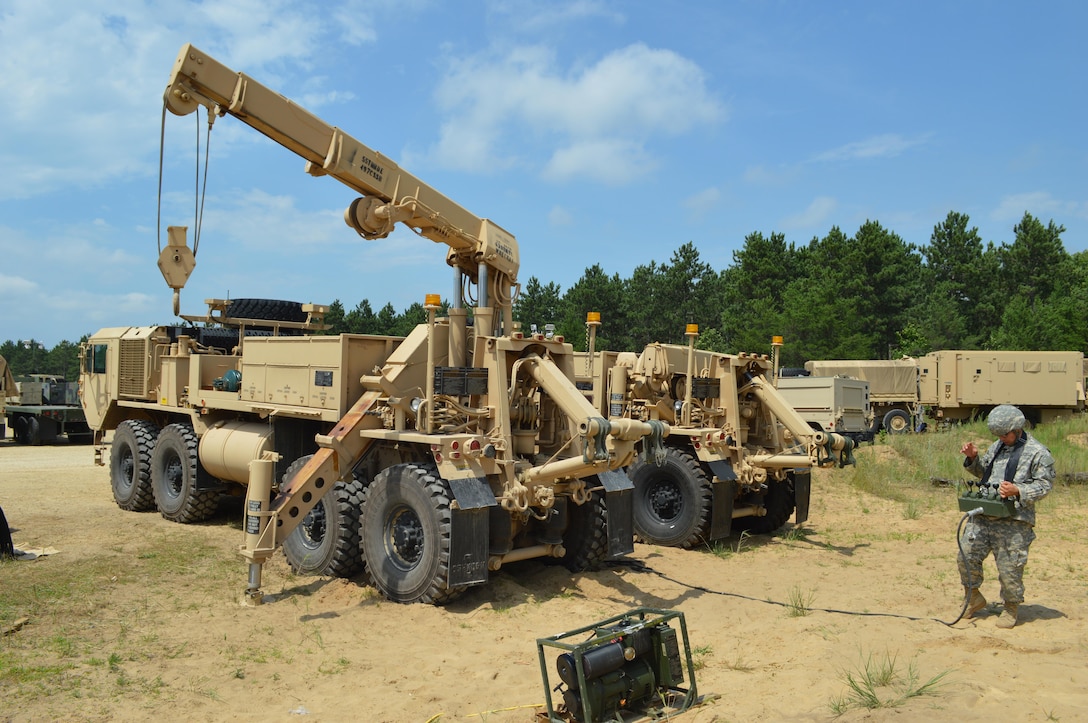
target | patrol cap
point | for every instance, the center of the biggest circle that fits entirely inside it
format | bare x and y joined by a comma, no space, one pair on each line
1005,418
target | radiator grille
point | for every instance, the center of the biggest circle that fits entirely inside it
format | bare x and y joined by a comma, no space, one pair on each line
133,371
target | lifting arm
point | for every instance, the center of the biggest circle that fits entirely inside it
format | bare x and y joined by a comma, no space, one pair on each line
388,193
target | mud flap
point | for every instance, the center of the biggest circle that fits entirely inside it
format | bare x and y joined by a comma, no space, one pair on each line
7,549
724,493
802,491
619,501
469,530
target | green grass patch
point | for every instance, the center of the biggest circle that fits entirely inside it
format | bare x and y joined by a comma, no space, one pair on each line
882,682
915,470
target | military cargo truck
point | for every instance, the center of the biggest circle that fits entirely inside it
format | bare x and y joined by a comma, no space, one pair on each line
958,385
961,385
831,404
893,389
40,408
426,462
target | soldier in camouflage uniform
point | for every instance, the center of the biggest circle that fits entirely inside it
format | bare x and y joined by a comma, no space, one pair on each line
1030,478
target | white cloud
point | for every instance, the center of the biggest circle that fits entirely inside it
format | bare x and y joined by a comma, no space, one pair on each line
16,285
502,110
560,216
1040,204
887,145
764,176
255,219
614,162
703,201
816,214
81,82
531,16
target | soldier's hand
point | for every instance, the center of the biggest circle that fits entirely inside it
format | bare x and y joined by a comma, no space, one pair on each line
1008,489
969,450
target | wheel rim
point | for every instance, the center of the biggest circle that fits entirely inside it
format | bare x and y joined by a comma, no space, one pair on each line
173,475
314,527
404,538
666,502
127,469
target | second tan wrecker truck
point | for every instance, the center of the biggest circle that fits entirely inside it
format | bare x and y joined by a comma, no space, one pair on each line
426,461
738,457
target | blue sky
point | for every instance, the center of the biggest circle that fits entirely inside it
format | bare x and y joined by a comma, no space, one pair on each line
595,131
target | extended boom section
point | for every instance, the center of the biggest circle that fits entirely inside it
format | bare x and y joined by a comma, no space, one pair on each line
479,248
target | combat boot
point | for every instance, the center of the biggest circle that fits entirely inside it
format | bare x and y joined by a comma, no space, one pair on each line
1008,616
976,603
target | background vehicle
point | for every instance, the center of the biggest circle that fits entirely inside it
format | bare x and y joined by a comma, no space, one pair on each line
428,461
40,408
737,456
893,389
961,385
957,385
831,404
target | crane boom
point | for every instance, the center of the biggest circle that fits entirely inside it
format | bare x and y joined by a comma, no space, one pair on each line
389,194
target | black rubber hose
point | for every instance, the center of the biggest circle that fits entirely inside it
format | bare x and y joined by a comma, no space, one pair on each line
959,544
639,566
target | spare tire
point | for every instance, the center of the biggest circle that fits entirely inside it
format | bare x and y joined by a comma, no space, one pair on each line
265,310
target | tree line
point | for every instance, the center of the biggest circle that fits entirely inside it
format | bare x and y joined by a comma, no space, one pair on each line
30,356
866,296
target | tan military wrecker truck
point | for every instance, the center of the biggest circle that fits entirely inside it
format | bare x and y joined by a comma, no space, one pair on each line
738,457
426,461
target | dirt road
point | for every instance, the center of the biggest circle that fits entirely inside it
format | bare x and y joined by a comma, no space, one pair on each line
150,625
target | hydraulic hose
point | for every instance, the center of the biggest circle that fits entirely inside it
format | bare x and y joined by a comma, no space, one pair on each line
959,544
639,566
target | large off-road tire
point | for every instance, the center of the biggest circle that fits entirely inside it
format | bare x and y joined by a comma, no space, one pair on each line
406,527
216,337
180,483
19,429
326,542
672,503
130,465
27,430
266,310
586,537
779,502
897,422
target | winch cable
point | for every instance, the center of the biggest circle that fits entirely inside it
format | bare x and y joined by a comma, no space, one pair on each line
201,190
201,184
639,566
158,204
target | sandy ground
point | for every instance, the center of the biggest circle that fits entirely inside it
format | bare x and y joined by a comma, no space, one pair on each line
180,645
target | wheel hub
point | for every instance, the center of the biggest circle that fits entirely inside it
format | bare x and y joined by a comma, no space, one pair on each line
405,538
314,526
128,471
174,476
665,500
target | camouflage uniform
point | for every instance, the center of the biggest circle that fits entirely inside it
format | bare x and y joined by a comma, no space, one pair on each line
1007,537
